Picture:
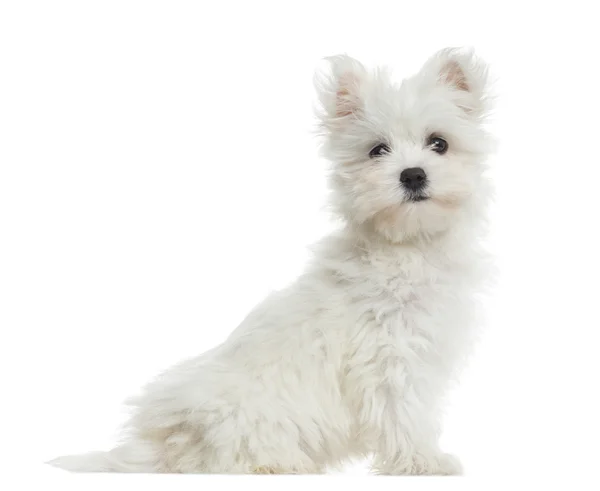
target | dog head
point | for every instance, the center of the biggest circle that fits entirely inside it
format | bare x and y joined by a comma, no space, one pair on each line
407,158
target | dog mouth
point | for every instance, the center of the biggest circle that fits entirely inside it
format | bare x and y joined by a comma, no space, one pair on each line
415,198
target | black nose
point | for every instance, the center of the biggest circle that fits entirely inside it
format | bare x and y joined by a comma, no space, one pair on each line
413,178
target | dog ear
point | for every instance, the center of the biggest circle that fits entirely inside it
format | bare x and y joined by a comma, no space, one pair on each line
339,88
464,74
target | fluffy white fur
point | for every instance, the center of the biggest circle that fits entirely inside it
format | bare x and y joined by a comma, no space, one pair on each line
355,357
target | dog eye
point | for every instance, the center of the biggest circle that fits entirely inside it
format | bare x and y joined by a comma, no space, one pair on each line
437,144
379,150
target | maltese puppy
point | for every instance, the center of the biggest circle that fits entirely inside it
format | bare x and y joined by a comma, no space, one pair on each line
355,357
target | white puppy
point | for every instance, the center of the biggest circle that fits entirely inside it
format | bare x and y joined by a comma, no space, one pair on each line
355,357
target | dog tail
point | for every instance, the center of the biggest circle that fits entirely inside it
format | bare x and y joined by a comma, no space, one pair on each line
120,459
89,462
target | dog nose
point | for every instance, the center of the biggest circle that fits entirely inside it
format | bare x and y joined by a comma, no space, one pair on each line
413,178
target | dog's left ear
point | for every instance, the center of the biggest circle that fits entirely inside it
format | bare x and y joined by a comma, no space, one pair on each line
464,74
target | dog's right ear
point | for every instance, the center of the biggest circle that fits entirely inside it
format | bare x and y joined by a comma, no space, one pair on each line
339,88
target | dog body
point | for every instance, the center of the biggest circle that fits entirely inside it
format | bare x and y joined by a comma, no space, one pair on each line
355,357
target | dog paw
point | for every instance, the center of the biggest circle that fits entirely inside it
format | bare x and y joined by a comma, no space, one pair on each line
264,469
449,465
422,465
435,465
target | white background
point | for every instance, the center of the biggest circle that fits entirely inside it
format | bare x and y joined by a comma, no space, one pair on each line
158,177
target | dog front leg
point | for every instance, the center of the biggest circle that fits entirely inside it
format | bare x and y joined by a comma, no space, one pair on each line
407,442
